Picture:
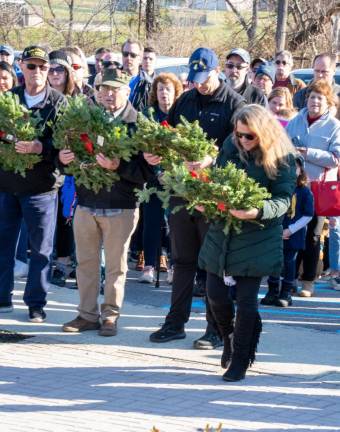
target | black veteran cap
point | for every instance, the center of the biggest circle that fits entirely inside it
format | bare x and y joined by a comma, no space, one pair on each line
35,52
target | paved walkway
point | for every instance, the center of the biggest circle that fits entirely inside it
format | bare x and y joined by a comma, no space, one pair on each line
63,382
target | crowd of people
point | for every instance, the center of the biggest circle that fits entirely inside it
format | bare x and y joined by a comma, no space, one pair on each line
282,132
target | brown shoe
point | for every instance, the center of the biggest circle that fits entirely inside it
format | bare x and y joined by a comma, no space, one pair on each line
109,327
80,324
140,262
163,264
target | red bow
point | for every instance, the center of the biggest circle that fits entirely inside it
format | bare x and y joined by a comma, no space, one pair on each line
165,124
221,206
88,144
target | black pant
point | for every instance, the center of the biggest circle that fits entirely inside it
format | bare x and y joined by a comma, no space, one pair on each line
187,233
247,329
64,241
310,256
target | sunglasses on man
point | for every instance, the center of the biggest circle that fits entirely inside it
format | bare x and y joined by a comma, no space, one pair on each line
283,62
32,67
128,53
108,63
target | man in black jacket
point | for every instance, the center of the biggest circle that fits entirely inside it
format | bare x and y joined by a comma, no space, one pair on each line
213,103
108,218
34,197
236,70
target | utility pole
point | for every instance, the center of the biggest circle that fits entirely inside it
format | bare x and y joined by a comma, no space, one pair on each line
111,11
281,27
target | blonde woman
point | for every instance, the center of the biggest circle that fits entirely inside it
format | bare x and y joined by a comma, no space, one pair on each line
260,146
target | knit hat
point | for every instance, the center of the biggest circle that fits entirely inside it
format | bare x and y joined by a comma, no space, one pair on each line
60,57
266,69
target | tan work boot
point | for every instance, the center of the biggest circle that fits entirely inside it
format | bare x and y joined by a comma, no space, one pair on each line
108,327
307,289
80,324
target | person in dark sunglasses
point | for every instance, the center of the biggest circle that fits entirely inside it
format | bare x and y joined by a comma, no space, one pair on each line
236,70
283,73
132,51
79,70
32,199
60,73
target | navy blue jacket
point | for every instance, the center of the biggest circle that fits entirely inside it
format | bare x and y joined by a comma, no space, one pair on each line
302,205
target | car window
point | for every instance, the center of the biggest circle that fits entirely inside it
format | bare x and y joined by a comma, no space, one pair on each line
176,69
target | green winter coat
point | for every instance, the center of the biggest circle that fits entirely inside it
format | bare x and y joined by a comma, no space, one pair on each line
258,249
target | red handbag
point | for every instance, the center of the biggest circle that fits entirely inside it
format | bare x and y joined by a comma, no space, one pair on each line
326,196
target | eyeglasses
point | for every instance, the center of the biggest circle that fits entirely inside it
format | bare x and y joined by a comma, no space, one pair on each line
235,66
248,137
107,63
76,66
58,70
4,53
32,66
283,62
128,53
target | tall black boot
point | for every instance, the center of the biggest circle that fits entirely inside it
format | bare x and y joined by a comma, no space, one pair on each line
272,295
224,317
248,327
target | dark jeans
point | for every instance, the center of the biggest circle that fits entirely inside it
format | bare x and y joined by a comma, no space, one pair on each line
310,256
64,239
288,272
39,213
155,230
187,233
22,245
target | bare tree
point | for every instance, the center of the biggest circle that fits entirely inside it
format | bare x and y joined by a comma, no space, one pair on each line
249,26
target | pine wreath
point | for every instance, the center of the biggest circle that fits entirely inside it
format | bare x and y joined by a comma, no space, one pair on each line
17,123
187,141
87,130
216,189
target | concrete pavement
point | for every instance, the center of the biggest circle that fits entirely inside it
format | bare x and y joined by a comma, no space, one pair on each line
68,382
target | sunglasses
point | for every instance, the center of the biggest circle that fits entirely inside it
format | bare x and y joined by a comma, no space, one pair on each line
4,53
76,66
248,137
234,66
108,63
128,53
283,62
32,66
58,70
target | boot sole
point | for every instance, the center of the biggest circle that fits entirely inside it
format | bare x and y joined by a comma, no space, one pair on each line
168,339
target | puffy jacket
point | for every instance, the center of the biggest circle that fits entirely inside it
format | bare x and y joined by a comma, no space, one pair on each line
214,112
322,142
258,249
133,175
43,177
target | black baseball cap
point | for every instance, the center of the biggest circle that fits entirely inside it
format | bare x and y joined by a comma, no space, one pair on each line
35,52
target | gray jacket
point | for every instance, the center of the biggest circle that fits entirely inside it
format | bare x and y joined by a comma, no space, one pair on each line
322,142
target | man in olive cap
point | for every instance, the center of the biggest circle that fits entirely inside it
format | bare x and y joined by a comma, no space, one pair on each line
108,218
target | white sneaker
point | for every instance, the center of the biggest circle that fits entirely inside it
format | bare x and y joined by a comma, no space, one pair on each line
147,276
170,277
20,269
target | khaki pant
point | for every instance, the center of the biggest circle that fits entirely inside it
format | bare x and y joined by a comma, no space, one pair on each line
114,233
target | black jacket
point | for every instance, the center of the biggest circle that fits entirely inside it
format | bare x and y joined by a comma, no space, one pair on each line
43,177
252,95
133,175
214,112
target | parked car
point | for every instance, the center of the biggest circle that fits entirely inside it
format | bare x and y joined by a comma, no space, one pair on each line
175,65
306,75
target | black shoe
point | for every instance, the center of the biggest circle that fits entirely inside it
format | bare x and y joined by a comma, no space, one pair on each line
58,278
208,341
284,300
269,299
199,288
227,351
236,371
73,274
166,334
36,314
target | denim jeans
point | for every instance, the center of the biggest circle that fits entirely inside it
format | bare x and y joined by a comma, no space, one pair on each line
288,271
334,245
22,245
39,213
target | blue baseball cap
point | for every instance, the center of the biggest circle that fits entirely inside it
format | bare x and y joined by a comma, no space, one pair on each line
8,49
266,69
202,61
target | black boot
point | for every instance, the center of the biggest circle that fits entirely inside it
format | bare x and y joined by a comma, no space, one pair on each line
285,298
227,351
247,332
272,295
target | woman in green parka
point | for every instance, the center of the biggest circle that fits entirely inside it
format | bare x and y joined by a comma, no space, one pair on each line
260,146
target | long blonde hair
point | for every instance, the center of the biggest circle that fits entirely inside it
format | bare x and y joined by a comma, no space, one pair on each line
274,144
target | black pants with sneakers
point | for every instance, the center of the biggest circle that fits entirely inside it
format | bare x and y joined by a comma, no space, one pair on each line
187,233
